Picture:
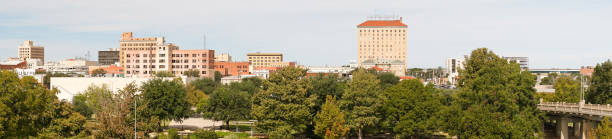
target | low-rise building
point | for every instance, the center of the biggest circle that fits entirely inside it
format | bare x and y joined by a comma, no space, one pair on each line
29,51
266,59
68,87
234,79
587,70
13,64
522,61
232,68
111,70
77,65
223,57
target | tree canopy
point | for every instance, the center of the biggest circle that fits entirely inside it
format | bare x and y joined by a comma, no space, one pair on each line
329,122
192,73
163,74
566,90
98,72
600,89
496,99
360,101
284,107
410,109
165,99
226,105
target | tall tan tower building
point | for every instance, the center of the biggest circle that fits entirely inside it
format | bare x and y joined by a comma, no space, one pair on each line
29,51
382,44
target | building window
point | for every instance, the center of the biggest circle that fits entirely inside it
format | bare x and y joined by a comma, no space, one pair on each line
162,61
162,55
194,55
193,66
162,66
203,72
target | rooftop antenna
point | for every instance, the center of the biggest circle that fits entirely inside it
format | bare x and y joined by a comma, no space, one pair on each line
204,41
87,55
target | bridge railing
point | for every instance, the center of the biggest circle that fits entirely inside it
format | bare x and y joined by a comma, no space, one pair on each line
577,108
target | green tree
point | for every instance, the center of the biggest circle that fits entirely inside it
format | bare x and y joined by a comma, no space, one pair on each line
163,74
410,109
322,86
603,130
65,123
546,81
218,76
115,117
204,134
496,99
566,90
165,99
205,85
194,95
98,72
250,85
173,134
284,107
387,79
192,73
600,89
360,101
227,105
329,122
80,105
88,101
27,109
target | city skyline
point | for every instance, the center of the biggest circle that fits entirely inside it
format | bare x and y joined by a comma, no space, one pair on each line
559,34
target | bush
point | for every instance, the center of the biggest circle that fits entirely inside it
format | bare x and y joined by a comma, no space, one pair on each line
204,134
172,134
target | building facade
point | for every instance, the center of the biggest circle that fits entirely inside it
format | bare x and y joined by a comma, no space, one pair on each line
29,51
200,60
108,57
232,68
224,57
453,65
11,65
382,43
142,57
522,61
265,59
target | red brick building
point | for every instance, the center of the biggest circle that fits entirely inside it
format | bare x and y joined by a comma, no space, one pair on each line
11,65
232,68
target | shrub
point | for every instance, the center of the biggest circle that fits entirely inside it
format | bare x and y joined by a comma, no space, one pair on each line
204,134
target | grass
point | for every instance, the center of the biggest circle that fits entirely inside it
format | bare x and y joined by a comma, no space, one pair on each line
240,127
239,135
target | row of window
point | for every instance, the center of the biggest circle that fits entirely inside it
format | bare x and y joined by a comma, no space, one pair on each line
138,44
264,61
223,66
382,56
153,72
144,66
145,61
386,30
396,35
187,55
144,55
266,57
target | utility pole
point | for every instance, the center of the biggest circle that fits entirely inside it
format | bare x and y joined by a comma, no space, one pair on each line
135,135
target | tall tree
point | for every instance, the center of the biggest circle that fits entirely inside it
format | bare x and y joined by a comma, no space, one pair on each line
165,99
47,78
29,109
329,122
284,107
192,73
387,79
163,74
410,109
600,89
496,99
566,90
218,76
322,86
98,72
227,105
360,101
205,85
603,130
115,118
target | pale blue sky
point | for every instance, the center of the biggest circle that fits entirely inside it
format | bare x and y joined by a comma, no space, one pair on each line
552,33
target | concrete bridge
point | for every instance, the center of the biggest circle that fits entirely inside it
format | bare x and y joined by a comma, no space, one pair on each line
583,117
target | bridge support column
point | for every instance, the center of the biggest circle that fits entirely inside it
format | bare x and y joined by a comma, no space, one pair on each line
577,125
562,128
586,128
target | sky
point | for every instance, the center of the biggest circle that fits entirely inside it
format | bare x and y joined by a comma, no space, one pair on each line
552,33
